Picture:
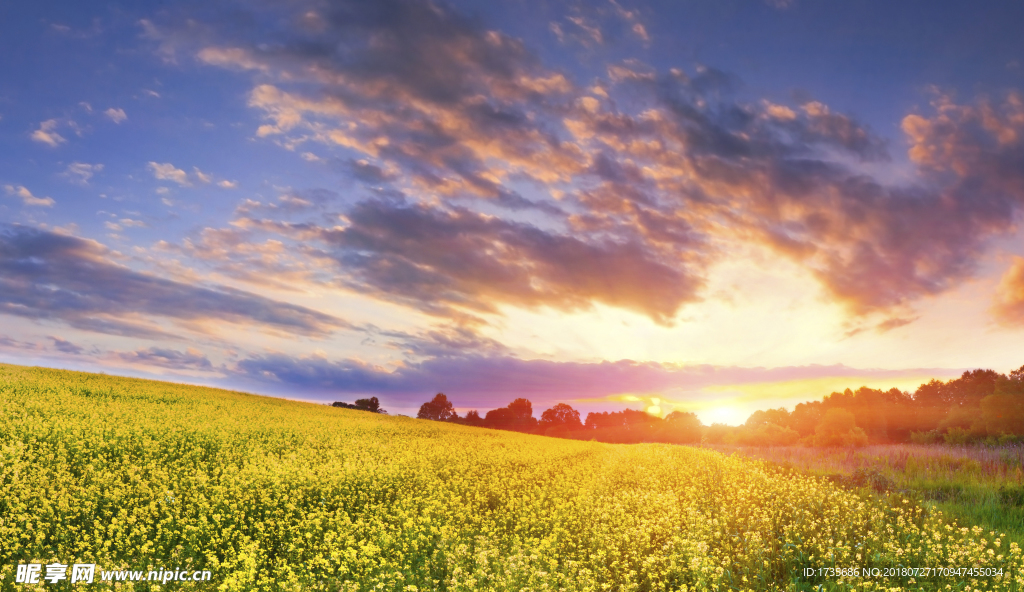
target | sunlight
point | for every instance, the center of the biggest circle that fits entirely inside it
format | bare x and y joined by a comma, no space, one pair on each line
726,414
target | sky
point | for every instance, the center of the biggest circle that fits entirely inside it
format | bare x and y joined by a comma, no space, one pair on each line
702,205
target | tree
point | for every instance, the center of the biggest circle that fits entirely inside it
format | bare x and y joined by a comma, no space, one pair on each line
371,404
1003,411
522,410
805,417
473,418
779,417
517,416
966,391
561,415
680,427
500,418
839,428
438,409
603,419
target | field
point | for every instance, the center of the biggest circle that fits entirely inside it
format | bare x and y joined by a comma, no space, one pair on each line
976,484
269,494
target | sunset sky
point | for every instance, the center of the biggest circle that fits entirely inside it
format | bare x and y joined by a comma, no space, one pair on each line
707,205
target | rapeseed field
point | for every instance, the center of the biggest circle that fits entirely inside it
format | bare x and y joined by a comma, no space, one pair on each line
269,494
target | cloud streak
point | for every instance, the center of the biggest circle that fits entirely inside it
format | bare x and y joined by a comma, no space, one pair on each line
190,359
495,380
26,197
44,275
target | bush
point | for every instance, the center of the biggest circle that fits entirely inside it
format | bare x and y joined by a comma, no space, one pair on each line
957,437
929,437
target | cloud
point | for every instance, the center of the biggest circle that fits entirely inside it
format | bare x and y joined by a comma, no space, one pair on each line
190,359
203,177
44,275
230,57
444,342
596,24
1008,307
116,115
168,172
80,172
455,257
493,381
27,198
524,188
65,346
10,343
46,134
235,252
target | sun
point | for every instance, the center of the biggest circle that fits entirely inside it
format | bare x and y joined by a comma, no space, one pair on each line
726,414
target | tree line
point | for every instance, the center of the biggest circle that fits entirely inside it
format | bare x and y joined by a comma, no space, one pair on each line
562,421
979,406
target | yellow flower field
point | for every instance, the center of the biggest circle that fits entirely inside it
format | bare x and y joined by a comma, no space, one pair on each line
278,495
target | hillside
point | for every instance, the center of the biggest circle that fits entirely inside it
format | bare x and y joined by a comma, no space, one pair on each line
269,494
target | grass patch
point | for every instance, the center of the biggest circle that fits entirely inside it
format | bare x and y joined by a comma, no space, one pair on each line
975,485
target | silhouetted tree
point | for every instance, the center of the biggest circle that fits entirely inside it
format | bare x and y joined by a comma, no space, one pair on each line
473,418
968,390
517,416
522,409
500,418
561,415
371,404
438,409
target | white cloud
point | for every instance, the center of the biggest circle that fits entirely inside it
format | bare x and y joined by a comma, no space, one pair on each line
26,196
47,134
231,57
202,176
167,172
116,115
80,172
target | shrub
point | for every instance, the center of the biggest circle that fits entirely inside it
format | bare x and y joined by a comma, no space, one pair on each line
929,437
957,436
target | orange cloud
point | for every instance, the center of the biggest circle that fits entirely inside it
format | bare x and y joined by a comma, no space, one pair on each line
1008,307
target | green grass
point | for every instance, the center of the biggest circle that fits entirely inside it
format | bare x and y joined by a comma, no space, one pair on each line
975,485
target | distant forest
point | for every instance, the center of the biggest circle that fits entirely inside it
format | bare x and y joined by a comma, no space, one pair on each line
980,406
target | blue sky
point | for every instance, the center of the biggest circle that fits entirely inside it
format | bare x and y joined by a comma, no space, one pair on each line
716,206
